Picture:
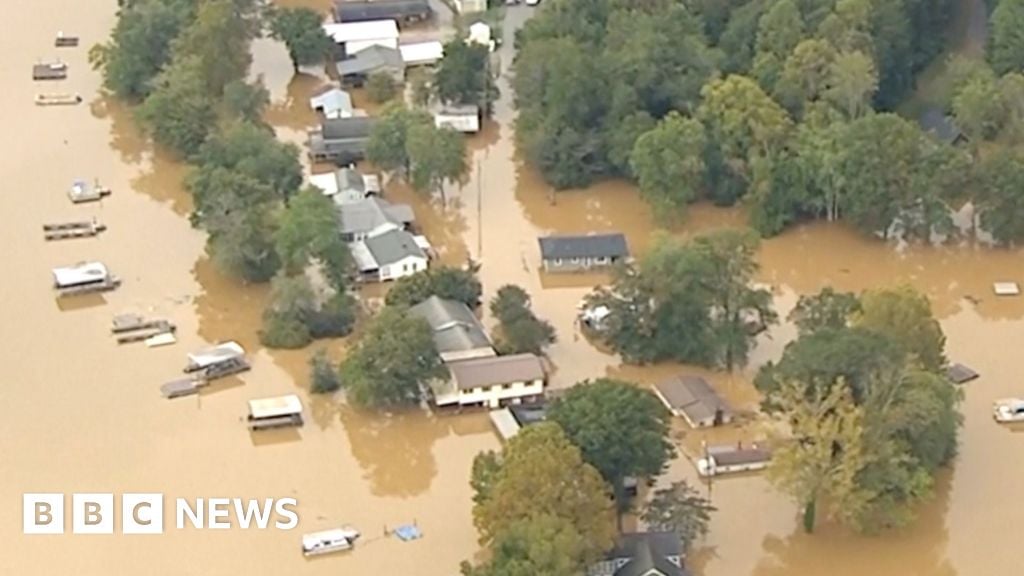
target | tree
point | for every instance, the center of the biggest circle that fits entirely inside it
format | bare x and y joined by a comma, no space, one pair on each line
458,284
179,113
392,362
246,102
905,316
520,331
140,46
284,321
852,83
219,41
387,147
621,430
308,230
543,545
978,108
323,377
1006,46
668,162
679,509
779,29
437,155
805,73
252,150
301,29
826,310
1011,94
463,75
381,87
826,452
541,473
335,318
1002,182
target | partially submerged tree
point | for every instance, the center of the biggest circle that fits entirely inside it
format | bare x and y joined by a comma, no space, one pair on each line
519,329
459,284
668,162
301,29
292,301
381,87
680,509
323,376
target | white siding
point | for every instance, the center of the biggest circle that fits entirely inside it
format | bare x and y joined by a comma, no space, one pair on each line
493,396
355,46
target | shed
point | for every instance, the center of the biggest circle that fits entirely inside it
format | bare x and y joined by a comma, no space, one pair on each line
404,11
421,53
358,36
569,253
332,103
692,398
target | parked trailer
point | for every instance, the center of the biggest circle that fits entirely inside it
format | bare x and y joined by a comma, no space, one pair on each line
275,412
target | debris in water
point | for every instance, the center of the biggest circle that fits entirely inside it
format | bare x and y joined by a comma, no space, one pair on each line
408,532
960,374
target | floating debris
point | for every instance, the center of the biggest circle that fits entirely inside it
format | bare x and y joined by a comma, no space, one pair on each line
80,192
1006,288
182,387
408,532
68,230
960,374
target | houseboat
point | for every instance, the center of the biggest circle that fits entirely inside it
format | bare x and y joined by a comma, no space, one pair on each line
327,541
719,460
1008,410
218,361
57,99
80,192
275,412
84,278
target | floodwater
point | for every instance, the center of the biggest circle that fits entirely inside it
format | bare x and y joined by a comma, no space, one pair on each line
84,415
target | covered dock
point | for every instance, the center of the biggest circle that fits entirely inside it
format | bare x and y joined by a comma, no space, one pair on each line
275,412
50,71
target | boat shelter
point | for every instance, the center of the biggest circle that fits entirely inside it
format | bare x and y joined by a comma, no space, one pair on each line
80,274
228,352
274,412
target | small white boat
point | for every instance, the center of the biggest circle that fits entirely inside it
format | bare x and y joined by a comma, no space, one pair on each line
1008,410
80,191
327,541
57,99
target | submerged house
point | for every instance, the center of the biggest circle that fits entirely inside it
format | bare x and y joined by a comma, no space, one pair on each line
465,119
402,11
692,398
354,37
458,335
356,70
371,217
347,185
575,253
340,140
332,103
389,256
643,554
492,381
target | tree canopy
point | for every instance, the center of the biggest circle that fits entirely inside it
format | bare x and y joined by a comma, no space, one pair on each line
458,284
463,75
519,330
301,29
679,509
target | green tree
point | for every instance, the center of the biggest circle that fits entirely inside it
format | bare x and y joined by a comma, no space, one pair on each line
1002,195
621,429
246,102
392,362
253,151
852,83
541,473
1011,94
140,46
827,309
459,284
381,87
308,230
301,29
234,210
780,29
387,147
292,301
680,509
541,545
179,113
805,73
520,330
437,155
668,162
905,315
219,40
979,109
463,75
323,377
334,318
1006,45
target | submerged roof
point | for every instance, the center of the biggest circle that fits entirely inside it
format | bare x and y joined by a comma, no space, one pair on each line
392,247
692,395
346,534
455,327
274,407
612,245
647,554
495,370
934,120
82,273
354,128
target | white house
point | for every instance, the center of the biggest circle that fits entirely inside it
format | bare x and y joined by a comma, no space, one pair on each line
422,53
357,36
389,256
492,381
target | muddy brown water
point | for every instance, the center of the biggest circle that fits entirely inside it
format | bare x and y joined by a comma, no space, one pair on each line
84,415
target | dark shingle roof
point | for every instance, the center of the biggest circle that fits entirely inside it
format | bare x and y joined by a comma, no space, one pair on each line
355,128
935,121
647,551
392,247
345,11
589,246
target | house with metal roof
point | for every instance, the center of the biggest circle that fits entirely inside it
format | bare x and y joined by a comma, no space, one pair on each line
357,69
390,256
340,140
421,53
347,185
692,398
458,334
567,253
353,37
332,103
371,217
492,381
643,554
402,11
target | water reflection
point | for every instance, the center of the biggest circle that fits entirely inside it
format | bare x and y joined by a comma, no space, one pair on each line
394,451
125,136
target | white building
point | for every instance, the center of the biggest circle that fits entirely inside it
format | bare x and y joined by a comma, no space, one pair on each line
492,381
470,6
357,36
389,256
332,103
465,119
422,53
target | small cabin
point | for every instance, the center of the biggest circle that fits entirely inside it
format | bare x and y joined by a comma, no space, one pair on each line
218,361
275,412
327,541
84,278
733,459
580,253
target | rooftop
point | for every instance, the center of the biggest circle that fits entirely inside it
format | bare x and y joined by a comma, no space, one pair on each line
489,371
333,102
421,52
455,327
692,395
82,273
370,59
646,554
361,31
392,247
345,11
370,213
936,121
612,245
215,354
273,407
357,127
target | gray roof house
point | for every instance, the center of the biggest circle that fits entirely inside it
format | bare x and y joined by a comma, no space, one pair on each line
695,400
458,335
399,10
340,140
643,554
389,256
347,185
572,253
370,217
355,70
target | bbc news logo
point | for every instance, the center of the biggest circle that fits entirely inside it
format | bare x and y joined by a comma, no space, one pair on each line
94,513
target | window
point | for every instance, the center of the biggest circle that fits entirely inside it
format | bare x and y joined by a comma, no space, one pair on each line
405,267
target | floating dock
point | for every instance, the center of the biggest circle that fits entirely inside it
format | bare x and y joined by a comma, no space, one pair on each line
182,387
143,335
68,230
131,322
80,192
62,41
55,99
50,71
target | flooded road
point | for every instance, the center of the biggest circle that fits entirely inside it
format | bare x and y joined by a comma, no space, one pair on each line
85,415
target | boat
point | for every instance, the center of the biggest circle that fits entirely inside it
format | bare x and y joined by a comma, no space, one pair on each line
84,278
50,71
1008,410
275,412
328,541
181,387
62,41
57,99
80,192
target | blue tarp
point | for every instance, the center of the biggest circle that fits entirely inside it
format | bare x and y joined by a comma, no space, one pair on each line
408,532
